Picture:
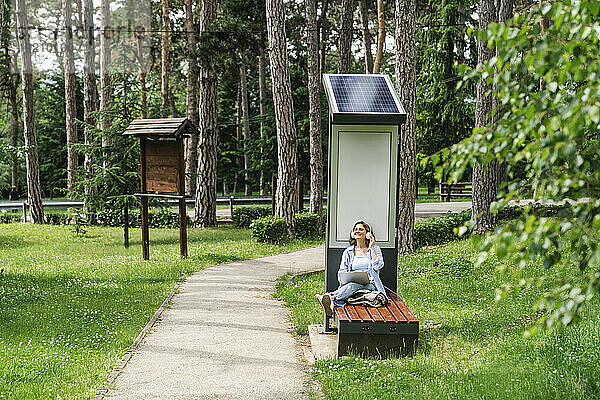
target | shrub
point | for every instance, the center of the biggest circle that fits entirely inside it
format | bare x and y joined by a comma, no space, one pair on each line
163,218
269,229
10,217
439,230
307,225
157,218
243,216
57,218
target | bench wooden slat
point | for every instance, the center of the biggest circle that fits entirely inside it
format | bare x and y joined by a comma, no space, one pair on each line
363,314
396,312
341,314
402,307
352,313
375,315
387,315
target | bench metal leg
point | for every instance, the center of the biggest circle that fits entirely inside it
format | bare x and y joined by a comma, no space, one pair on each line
326,328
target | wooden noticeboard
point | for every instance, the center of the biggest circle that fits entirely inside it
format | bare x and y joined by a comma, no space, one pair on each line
162,167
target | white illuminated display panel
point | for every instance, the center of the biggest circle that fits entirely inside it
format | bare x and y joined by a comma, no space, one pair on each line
363,182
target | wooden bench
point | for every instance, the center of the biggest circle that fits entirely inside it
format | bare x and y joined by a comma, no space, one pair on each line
389,330
457,189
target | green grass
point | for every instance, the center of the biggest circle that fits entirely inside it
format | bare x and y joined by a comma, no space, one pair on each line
71,306
470,345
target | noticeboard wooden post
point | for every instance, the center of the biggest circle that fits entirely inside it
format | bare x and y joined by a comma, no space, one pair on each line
162,166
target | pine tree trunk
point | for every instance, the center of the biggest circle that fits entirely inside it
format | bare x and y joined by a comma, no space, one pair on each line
206,184
345,36
287,169
191,155
485,178
13,83
34,192
380,37
141,75
70,105
238,136
105,79
324,30
262,94
172,106
79,14
505,12
90,96
314,113
246,121
164,80
406,88
364,17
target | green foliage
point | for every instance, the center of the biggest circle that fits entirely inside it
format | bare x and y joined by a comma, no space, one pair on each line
8,217
57,218
269,229
445,112
439,230
307,226
243,216
79,221
548,91
157,218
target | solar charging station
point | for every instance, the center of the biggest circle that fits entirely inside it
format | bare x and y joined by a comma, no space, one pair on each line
365,114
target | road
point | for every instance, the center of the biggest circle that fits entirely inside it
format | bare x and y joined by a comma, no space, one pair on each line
422,210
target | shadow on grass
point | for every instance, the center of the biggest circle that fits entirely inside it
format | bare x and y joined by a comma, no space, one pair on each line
13,242
470,330
85,309
191,239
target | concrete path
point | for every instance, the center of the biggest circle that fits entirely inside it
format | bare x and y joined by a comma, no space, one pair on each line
223,338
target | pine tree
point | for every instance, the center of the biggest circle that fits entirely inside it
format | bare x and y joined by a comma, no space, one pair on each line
206,183
34,193
314,112
287,169
70,105
406,88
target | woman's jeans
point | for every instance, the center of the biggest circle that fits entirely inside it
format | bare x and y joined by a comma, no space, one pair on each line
343,292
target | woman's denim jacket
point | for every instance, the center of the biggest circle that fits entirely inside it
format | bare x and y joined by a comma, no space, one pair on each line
374,266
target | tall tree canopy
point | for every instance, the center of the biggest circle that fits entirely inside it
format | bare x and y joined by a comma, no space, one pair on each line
549,136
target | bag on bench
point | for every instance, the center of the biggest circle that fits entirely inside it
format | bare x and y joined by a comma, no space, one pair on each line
363,297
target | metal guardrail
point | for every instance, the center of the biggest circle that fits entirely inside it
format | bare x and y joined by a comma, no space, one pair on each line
22,205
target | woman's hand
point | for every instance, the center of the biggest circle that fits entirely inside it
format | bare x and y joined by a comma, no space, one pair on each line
372,247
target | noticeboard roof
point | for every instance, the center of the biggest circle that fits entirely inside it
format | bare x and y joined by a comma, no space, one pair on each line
363,99
162,128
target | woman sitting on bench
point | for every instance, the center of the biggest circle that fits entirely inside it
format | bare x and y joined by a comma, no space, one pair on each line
362,255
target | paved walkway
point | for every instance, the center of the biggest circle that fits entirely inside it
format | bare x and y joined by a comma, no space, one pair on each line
223,338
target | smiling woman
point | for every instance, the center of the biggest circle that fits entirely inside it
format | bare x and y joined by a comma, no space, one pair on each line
362,255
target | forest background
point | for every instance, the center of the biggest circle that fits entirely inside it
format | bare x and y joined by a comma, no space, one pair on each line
247,143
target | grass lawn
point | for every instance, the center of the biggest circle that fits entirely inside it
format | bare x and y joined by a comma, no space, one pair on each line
72,306
470,345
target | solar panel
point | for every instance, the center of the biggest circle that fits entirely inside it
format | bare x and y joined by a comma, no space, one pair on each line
363,94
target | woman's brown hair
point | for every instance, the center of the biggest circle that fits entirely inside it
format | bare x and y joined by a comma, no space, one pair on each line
367,229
